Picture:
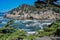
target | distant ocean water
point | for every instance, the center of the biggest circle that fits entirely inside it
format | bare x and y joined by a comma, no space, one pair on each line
3,20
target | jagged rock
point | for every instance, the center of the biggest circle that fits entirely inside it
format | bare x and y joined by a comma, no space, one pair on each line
26,12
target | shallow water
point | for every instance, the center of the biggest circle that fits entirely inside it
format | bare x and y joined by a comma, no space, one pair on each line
29,25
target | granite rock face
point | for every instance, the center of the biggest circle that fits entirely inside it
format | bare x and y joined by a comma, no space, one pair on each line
26,12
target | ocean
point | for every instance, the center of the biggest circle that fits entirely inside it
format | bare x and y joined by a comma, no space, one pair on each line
3,20
27,25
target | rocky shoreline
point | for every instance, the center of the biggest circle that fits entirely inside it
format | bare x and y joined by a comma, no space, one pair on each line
26,12
32,16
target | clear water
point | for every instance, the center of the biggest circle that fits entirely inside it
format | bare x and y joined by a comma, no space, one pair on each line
27,25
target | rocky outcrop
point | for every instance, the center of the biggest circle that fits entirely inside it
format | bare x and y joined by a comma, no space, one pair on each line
26,12
36,16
